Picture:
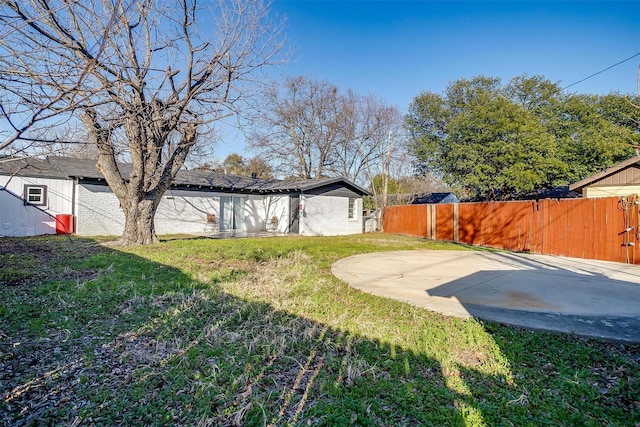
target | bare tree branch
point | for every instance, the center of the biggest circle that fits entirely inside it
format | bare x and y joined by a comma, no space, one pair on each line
310,130
153,75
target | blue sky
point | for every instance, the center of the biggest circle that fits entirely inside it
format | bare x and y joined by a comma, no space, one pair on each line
398,49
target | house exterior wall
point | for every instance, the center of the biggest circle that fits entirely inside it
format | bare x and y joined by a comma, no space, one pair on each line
98,211
59,191
180,211
255,215
19,220
276,209
329,216
611,190
266,213
187,212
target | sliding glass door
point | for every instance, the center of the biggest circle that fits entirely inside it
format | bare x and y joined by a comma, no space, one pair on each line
232,213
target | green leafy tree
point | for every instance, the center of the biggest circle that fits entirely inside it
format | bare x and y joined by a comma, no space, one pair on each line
593,134
235,164
377,185
476,137
497,141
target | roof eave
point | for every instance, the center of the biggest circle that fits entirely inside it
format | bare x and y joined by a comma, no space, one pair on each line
578,186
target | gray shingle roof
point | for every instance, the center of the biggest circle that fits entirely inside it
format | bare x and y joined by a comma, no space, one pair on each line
432,198
69,167
30,166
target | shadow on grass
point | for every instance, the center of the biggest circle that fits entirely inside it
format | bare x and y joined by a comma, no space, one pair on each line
109,338
142,343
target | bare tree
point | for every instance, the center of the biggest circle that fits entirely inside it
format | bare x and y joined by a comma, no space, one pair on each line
364,125
145,78
389,166
297,127
308,130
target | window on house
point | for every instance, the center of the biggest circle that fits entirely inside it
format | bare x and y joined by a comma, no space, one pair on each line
352,208
35,195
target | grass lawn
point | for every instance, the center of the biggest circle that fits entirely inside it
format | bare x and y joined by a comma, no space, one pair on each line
258,332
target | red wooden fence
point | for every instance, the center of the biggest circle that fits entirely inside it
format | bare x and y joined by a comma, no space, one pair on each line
605,228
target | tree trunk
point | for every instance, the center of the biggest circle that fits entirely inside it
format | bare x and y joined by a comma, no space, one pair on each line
139,227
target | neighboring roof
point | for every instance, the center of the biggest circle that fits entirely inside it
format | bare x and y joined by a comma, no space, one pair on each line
428,199
633,162
69,167
561,192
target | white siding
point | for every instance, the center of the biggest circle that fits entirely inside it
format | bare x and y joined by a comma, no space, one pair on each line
16,219
610,191
329,216
186,212
59,191
277,214
20,220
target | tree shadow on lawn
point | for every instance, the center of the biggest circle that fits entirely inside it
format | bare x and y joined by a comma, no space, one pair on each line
592,381
142,343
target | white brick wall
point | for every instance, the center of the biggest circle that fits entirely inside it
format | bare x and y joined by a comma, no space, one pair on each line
98,213
329,216
186,212
276,207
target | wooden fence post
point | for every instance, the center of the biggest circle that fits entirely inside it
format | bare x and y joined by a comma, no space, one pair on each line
428,222
456,228
433,222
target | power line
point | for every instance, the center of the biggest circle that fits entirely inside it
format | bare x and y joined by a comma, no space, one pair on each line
602,71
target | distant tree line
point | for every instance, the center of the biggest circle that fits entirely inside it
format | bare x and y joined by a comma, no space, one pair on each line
236,164
495,141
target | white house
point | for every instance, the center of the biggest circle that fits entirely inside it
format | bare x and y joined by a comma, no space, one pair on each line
39,196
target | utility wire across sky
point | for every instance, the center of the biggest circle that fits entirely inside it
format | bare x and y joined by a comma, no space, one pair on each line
602,71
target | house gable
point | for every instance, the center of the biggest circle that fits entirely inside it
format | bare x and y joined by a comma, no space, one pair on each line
624,174
627,176
335,189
